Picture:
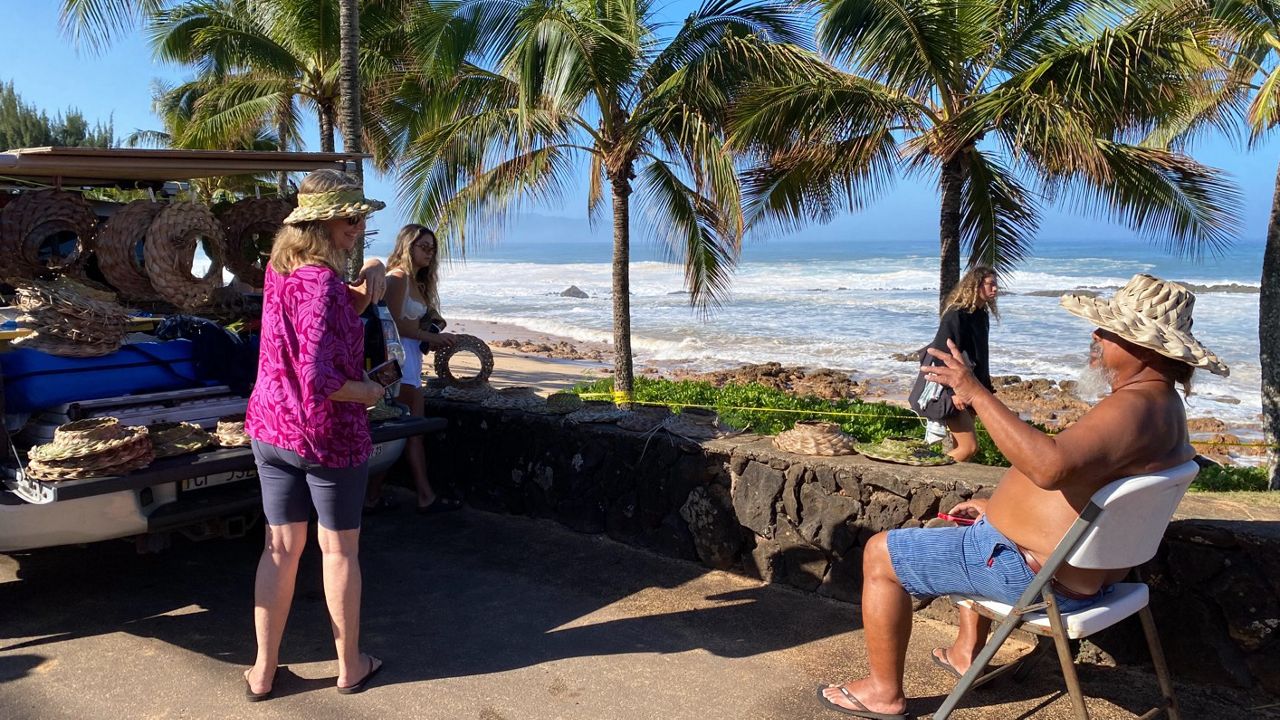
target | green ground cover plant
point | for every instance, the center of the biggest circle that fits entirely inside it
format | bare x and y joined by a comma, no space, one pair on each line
769,411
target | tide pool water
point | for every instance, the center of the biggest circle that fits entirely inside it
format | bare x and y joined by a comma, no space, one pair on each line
852,305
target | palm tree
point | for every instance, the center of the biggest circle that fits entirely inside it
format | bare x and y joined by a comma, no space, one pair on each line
175,105
349,81
518,91
260,61
1251,29
986,95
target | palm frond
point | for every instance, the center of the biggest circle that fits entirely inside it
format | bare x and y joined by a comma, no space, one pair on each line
999,218
913,45
1183,206
691,229
97,23
714,23
148,139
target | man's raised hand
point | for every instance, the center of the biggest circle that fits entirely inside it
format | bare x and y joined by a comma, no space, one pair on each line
955,373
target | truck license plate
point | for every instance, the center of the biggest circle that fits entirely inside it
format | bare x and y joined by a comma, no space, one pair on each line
208,481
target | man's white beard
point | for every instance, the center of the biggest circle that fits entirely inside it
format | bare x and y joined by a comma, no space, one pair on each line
1094,382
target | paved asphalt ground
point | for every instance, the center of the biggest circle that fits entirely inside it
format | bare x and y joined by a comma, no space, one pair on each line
478,617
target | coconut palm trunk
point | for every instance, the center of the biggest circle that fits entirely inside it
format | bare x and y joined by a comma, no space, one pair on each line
326,129
1269,339
622,366
952,183
349,83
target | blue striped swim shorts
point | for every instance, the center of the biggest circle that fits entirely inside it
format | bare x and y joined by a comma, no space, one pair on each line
976,560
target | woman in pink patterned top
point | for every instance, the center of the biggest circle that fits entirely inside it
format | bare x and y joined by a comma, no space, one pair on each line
308,422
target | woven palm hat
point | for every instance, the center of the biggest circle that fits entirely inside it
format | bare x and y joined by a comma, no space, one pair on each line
697,424
1152,313
332,204
814,437
904,451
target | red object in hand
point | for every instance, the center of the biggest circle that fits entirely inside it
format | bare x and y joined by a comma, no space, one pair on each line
958,519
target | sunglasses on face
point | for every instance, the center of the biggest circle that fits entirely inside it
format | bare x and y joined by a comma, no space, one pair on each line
355,220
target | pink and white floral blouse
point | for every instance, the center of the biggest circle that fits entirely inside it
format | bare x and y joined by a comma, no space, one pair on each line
312,343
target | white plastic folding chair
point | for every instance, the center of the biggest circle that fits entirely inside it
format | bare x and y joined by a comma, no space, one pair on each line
1120,528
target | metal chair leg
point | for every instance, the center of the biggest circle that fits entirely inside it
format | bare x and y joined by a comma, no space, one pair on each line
979,666
1061,641
1157,659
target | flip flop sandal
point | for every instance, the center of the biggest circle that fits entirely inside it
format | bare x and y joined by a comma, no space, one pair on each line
252,696
863,713
375,666
382,504
943,661
440,505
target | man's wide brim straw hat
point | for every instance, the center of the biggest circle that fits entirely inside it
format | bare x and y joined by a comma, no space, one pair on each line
333,204
1152,313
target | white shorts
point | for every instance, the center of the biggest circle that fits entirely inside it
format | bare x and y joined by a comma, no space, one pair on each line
412,366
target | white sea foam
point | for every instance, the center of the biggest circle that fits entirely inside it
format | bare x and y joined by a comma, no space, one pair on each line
853,308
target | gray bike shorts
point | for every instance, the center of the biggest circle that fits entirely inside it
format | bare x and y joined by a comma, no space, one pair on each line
292,486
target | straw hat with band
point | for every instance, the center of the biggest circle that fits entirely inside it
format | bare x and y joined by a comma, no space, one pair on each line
1152,313
314,207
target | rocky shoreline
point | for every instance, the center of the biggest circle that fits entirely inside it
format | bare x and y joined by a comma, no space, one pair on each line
1053,404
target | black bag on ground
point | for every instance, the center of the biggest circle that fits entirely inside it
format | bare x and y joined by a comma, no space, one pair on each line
942,405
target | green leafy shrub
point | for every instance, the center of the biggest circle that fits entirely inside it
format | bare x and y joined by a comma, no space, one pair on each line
768,411
1230,478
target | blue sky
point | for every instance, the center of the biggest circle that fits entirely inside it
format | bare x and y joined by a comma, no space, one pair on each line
50,73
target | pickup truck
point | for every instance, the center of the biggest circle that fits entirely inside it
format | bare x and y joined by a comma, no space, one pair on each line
204,495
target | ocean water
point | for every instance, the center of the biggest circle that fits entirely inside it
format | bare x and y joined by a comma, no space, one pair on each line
852,305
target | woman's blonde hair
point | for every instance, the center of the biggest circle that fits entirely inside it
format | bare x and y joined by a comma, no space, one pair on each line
401,258
308,243
967,296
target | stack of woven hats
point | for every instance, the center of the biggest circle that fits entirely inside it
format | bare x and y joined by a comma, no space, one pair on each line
70,319
170,439
230,432
91,448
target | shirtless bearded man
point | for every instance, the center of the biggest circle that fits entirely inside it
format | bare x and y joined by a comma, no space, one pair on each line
1143,346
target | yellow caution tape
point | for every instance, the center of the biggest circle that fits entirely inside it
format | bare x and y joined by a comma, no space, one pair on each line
623,397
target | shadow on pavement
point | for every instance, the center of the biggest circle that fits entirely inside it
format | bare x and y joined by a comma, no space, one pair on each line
447,595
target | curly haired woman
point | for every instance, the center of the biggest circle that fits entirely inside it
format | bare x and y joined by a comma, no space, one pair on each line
966,321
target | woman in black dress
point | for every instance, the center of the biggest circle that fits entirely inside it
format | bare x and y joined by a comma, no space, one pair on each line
966,322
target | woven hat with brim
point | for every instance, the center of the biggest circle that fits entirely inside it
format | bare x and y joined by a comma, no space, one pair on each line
814,437
905,451
514,398
170,439
697,424
332,204
595,411
1152,313
230,431
90,448
470,394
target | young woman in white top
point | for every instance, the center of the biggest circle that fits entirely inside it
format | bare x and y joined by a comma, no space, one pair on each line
412,295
